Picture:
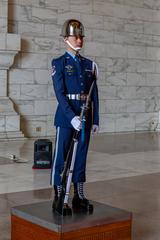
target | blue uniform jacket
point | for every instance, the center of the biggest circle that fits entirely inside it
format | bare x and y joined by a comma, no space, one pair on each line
69,78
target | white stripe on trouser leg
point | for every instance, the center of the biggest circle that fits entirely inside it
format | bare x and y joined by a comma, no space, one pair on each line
55,156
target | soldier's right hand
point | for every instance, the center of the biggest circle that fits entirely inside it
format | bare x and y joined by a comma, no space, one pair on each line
76,123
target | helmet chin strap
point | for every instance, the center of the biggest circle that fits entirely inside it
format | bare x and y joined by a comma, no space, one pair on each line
71,46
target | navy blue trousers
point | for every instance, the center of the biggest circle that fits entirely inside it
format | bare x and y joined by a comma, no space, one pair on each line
62,143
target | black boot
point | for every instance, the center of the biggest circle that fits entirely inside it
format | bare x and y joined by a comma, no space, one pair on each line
57,191
58,203
79,201
54,204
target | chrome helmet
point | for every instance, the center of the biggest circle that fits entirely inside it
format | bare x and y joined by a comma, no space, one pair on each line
72,27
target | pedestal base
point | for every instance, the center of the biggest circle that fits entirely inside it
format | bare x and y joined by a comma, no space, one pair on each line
37,221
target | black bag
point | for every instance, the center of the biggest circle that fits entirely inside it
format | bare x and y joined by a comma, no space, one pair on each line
42,154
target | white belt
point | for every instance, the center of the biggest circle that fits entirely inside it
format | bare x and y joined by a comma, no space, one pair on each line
77,96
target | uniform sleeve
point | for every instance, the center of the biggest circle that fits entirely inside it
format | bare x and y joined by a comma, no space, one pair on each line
59,88
95,98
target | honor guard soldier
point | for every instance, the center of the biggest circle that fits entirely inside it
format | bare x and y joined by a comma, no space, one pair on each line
72,76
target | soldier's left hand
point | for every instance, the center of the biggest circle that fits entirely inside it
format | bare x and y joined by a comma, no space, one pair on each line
95,128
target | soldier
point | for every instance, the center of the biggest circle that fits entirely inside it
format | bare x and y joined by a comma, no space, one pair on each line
72,77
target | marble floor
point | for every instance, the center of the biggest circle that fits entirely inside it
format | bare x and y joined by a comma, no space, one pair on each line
123,168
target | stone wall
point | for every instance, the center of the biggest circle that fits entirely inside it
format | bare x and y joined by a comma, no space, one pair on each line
3,16
9,47
122,36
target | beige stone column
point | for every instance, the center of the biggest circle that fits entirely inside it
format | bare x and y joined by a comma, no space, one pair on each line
9,47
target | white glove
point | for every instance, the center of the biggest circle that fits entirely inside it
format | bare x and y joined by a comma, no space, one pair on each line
76,123
95,128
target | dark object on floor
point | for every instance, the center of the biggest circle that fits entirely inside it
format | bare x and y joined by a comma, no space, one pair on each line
42,154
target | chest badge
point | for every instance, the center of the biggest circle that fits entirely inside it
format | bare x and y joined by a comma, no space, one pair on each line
69,68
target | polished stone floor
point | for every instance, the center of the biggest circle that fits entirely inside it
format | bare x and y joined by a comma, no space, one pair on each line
123,170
